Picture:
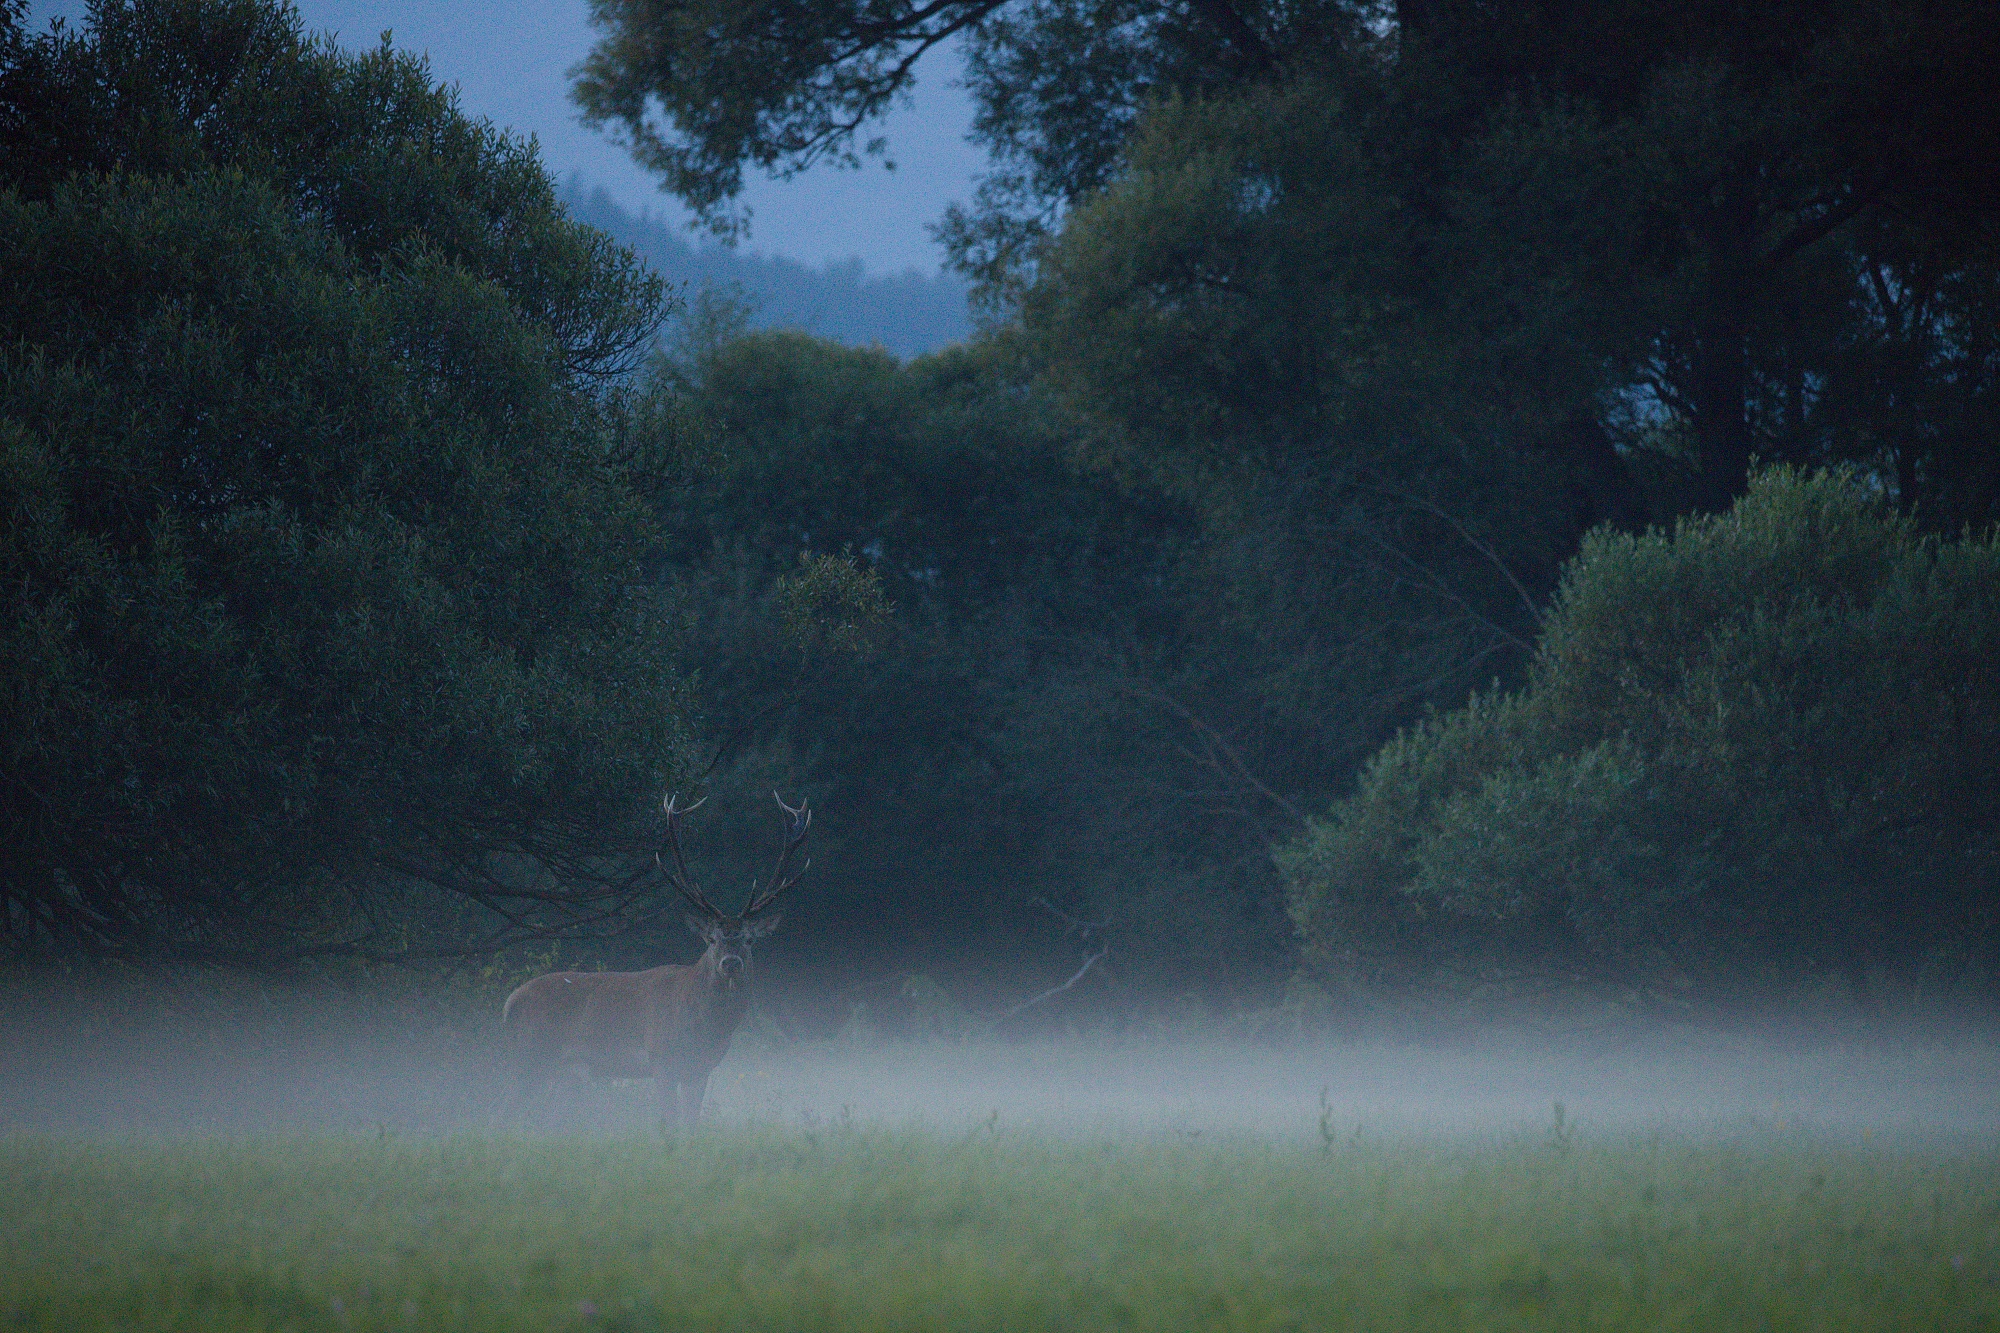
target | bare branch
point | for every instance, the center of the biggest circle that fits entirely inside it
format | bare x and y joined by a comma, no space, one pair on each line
1222,757
1486,552
1824,224
1053,991
1072,924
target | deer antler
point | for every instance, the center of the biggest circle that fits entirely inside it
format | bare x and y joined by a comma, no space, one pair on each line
794,837
677,873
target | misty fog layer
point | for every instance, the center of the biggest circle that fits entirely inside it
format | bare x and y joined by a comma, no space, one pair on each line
1665,1079
267,1060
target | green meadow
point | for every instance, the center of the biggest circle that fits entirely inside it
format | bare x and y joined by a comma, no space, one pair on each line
852,1227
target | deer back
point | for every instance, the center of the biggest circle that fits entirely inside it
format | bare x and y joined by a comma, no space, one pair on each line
678,1018
634,1022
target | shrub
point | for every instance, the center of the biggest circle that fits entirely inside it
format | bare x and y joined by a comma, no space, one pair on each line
1765,733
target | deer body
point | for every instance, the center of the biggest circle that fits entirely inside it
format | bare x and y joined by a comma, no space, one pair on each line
671,1024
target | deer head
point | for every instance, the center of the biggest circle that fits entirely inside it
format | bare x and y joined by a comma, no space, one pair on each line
729,936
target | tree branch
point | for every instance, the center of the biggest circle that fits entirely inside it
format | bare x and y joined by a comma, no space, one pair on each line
1213,740
1823,224
1052,991
1256,52
1487,552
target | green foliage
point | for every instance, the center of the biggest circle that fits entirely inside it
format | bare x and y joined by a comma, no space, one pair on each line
1248,318
330,520
830,604
856,1227
696,91
978,570
1395,306
700,91
346,560
1085,691
1737,233
1391,307
1759,733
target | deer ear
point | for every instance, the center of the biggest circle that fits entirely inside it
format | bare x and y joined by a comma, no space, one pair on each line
757,928
699,924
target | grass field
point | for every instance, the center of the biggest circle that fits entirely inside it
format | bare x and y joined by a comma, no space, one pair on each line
854,1226
214,1159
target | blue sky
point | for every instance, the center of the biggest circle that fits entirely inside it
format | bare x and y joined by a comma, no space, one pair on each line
510,59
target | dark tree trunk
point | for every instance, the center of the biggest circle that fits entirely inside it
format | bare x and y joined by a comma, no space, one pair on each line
1722,421
1720,392
1854,969
1906,477
1601,487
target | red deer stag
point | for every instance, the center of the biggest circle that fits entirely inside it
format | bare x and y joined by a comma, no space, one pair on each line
671,1024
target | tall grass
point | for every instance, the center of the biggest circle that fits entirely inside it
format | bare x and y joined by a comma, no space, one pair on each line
850,1226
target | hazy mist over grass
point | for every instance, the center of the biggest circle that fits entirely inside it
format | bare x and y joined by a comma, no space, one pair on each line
197,1054
191,1150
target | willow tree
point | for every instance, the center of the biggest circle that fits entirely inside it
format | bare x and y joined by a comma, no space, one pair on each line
330,615
1758,741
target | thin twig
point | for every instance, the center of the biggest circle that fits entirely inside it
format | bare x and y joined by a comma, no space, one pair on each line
1026,1005
1216,745
1491,556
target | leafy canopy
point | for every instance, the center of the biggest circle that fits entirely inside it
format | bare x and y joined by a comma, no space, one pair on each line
330,512
1764,734
1711,231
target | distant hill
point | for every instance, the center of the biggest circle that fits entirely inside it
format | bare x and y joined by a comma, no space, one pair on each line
908,312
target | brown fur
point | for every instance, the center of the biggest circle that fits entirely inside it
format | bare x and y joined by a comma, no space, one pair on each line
670,1024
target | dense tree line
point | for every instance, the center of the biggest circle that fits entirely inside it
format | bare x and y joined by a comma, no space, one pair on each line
1698,231
1344,363
1375,311
1092,710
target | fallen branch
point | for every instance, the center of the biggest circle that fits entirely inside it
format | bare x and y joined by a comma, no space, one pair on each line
1028,1004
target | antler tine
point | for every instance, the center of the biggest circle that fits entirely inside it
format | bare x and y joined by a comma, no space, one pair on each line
677,873
796,822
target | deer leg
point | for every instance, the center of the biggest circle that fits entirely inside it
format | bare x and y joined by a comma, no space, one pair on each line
524,1092
667,1088
694,1091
